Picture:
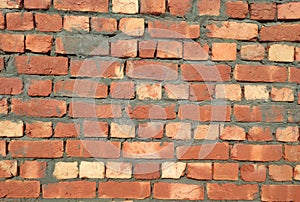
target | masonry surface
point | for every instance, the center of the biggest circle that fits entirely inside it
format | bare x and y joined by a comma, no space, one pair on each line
127,100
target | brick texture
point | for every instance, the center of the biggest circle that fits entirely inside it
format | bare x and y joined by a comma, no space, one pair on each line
149,100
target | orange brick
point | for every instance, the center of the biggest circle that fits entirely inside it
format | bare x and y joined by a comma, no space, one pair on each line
282,94
209,7
226,171
95,129
75,23
122,90
179,130
207,132
169,49
287,134
199,171
177,91
231,92
151,130
37,4
223,51
194,51
289,11
147,48
232,133
257,133
48,22
180,7
154,7
253,172
104,25
38,43
281,172
40,88
19,21
12,43
33,169
297,172
124,48
39,129
132,26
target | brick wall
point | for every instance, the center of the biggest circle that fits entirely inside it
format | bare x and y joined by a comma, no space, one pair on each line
150,99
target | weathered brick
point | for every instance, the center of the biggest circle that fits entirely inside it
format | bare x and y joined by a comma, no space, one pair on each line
177,91
209,7
95,129
280,172
8,168
169,49
124,48
11,128
39,129
91,170
172,170
207,132
19,21
232,30
292,153
200,92
48,22
263,11
12,43
176,191
223,51
199,171
125,6
122,90
231,92
132,26
236,9
252,92
146,171
279,192
11,4
66,130
289,11
65,170
19,189
73,23
180,7
149,91
151,130
154,7
41,65
39,43
280,32
281,53
252,52
257,133
85,5
122,130
11,86
152,111
232,133
195,51
179,130
147,48
37,4
283,94
226,171
173,29
253,172
117,170
237,191
40,87
104,25
33,169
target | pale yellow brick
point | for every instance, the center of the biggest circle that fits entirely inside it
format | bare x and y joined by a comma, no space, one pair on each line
282,94
91,169
122,130
256,92
173,170
11,128
281,53
121,170
125,6
179,130
229,91
65,170
149,91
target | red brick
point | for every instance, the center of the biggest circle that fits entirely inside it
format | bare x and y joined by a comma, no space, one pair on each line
48,22
233,30
146,171
201,92
209,7
19,189
237,9
231,92
76,23
246,113
237,192
218,151
161,112
85,5
2,21
80,88
224,51
232,133
201,72
39,129
226,171
39,107
36,149
154,70
281,172
199,171
205,113
96,68
176,191
147,49
148,150
292,153
253,172
8,168
122,90
93,110
2,148
40,87
173,29
280,32
19,21
11,4
262,11
250,152
11,86
194,51
37,4
33,169
66,130
134,190
169,49
154,7
12,43
252,52
3,106
105,25
95,129
132,26
124,48
75,189
257,133
38,43
2,63
260,73
95,149
280,192
289,11
180,7
275,113
41,65
151,130
294,75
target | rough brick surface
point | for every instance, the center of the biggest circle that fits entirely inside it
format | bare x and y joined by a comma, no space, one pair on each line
150,100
